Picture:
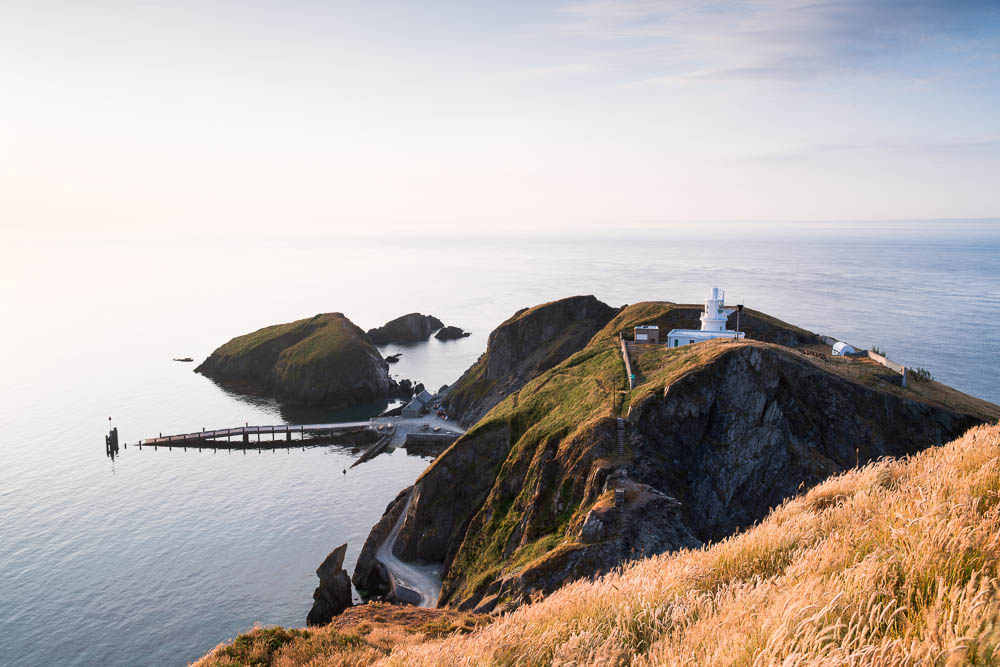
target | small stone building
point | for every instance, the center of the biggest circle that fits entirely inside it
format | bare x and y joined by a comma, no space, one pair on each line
418,405
647,333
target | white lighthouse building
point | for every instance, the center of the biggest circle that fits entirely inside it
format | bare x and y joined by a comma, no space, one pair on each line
713,322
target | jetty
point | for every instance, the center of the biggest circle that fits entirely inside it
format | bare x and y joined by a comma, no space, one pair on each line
243,433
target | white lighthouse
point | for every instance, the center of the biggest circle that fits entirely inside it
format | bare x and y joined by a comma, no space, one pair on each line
713,322
716,312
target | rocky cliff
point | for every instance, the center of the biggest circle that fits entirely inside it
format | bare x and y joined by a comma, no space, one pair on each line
411,328
570,476
532,341
324,360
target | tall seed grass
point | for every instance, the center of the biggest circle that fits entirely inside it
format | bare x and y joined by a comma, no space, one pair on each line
893,564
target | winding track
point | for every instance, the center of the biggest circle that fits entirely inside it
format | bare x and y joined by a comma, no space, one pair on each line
423,580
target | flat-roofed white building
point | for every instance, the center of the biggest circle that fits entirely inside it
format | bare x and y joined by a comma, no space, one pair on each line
713,323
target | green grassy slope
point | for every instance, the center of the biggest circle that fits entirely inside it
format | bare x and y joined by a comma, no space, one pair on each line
324,359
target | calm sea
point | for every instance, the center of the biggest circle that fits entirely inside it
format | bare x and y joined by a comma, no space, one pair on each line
157,556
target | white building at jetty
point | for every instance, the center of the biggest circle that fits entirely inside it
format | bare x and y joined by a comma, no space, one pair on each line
713,323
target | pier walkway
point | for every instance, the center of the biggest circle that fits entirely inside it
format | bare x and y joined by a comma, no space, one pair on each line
244,432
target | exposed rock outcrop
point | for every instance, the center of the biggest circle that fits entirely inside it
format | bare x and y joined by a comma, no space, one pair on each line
333,595
544,489
324,360
526,345
451,333
411,328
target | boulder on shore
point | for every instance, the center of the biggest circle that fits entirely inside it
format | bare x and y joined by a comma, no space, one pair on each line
411,328
324,360
451,333
333,595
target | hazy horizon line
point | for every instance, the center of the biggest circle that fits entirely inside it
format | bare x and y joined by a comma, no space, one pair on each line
251,231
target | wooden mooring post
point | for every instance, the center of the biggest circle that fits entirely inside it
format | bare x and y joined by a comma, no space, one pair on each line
111,442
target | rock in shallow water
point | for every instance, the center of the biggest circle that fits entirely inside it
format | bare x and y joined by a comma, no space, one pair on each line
451,333
333,595
411,328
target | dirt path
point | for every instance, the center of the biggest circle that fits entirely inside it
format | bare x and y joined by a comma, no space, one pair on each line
424,581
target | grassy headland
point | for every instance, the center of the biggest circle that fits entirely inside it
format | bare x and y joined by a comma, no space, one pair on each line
506,507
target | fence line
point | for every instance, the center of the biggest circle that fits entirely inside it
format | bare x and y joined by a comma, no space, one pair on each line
628,364
874,356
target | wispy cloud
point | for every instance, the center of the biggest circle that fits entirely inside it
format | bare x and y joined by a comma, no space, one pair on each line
546,73
976,149
784,39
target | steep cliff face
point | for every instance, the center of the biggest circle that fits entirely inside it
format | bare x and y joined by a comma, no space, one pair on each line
526,345
411,328
324,360
551,486
737,436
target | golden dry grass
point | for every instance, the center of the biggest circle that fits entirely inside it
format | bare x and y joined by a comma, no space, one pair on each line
892,564
359,636
895,563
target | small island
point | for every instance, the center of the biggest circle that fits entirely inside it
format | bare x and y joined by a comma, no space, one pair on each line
451,333
411,328
324,360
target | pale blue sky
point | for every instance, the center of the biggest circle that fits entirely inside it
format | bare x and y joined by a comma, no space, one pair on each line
485,115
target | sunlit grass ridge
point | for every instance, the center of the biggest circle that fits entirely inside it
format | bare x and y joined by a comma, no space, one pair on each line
894,563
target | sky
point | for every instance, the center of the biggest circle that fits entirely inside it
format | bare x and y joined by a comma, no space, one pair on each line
486,115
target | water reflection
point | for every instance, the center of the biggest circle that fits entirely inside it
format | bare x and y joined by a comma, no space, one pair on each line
245,393
351,443
302,414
